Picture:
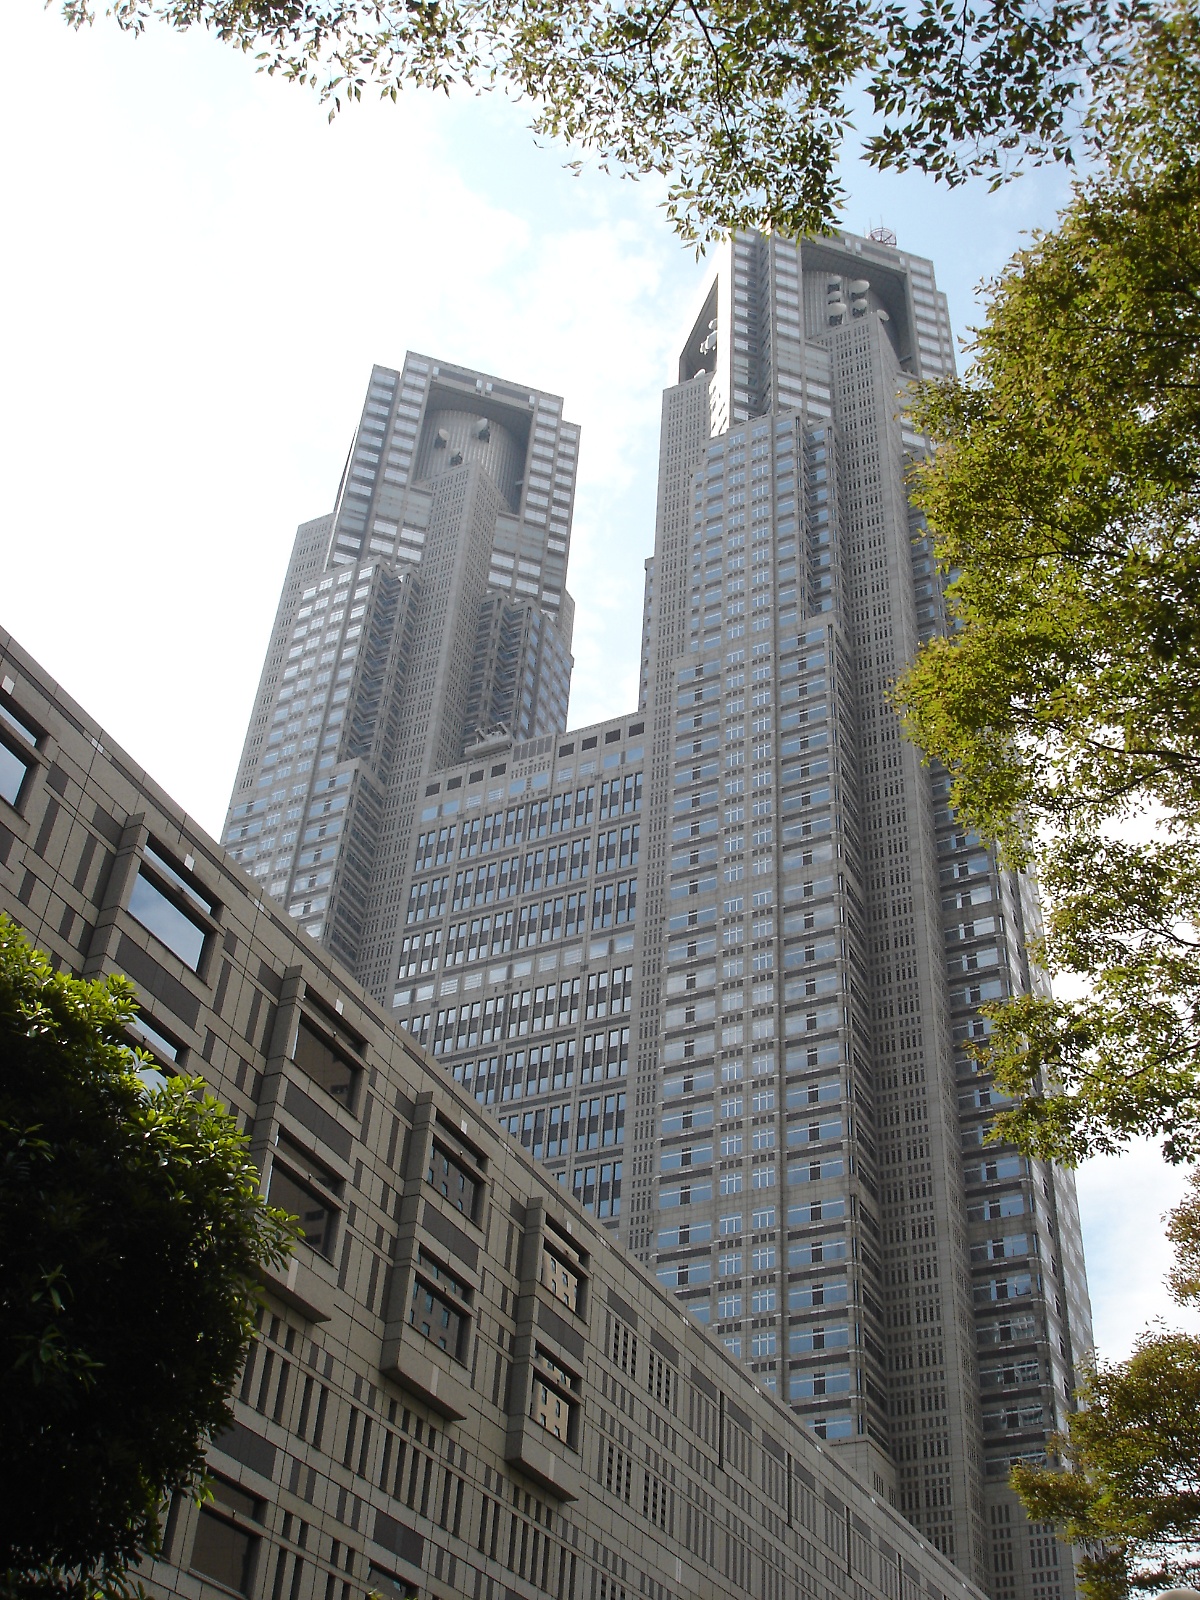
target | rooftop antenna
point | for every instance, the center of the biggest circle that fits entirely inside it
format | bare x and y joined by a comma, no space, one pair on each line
883,235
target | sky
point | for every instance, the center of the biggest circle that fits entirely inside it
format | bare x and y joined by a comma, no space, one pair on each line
200,270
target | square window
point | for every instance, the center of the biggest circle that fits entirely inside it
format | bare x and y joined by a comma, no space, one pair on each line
160,915
318,1060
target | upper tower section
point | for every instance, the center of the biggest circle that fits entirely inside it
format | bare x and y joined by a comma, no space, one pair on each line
418,426
760,329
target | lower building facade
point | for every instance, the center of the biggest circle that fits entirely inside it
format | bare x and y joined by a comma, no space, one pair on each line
462,1385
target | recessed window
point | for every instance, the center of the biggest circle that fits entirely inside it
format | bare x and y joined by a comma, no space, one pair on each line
179,879
165,1050
18,725
297,1187
451,1179
561,1279
13,771
390,1586
437,1309
167,921
318,1060
223,1549
552,1405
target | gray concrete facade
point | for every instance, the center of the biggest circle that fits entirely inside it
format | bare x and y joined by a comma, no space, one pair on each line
716,963
462,1386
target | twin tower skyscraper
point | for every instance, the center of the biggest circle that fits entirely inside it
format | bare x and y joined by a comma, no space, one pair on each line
715,962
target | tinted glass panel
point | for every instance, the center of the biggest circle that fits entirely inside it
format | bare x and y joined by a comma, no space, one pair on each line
157,1043
316,1058
233,1498
12,774
452,1180
316,1215
18,725
560,1375
223,1552
172,875
550,1410
562,1282
436,1318
389,1585
164,919
442,1277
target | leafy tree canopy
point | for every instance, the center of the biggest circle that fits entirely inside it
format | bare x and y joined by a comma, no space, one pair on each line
1130,1494
1066,702
132,1233
741,104
1131,1491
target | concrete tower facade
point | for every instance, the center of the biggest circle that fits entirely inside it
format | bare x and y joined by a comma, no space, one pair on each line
426,616
819,931
716,962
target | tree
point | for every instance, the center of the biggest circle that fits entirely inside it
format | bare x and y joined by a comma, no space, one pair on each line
1066,701
132,1234
1130,1494
742,104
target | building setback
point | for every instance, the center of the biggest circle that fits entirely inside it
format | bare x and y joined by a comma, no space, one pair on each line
462,1385
717,962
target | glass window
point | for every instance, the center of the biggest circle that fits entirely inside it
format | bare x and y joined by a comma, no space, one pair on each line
450,1178
167,921
316,1214
550,1411
551,1406
223,1550
561,1280
321,1062
432,1310
12,774
149,1038
390,1586
178,880
18,725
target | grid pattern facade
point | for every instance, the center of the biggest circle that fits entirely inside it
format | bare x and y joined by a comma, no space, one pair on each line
426,613
822,1197
726,1001
460,1386
518,952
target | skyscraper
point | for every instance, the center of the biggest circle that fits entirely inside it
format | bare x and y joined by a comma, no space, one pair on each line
425,617
715,962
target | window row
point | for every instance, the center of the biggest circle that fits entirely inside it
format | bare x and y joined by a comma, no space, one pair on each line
534,819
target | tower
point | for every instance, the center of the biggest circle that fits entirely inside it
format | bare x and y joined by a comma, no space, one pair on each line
819,1188
426,616
715,962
